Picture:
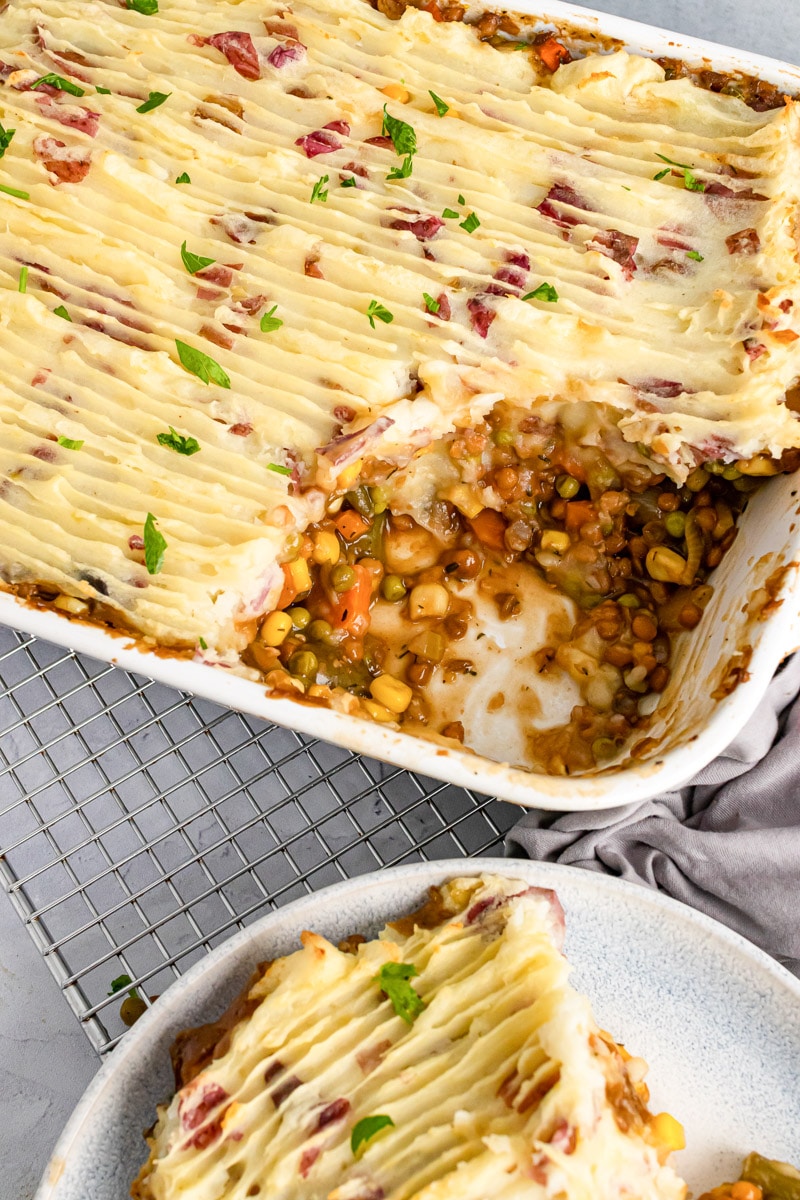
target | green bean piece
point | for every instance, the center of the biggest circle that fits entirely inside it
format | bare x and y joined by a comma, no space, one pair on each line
300,617
777,1180
675,523
361,500
343,577
393,588
567,487
304,663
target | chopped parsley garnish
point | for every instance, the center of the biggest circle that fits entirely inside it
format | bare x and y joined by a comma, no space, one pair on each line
404,139
202,643
319,190
153,101
545,291
461,200
103,91
349,182
695,254
269,322
402,172
431,304
365,1129
9,191
177,442
154,547
279,469
201,365
61,312
147,7
120,983
690,180
377,310
5,138
70,443
194,262
59,82
450,214
393,979
661,174
441,108
470,223
23,279
183,178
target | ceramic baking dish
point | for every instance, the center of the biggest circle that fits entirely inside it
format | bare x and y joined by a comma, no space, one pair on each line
720,672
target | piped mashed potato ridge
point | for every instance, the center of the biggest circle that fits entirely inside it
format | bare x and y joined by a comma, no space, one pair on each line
502,1084
676,306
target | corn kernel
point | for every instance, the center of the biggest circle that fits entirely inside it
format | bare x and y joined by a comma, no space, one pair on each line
555,540
275,629
326,547
761,464
391,693
301,576
669,1132
349,475
428,600
71,604
396,91
378,712
665,565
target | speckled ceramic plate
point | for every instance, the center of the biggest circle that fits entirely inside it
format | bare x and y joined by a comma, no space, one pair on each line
718,1020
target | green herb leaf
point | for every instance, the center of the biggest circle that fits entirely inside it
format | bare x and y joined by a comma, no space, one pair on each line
461,200
660,174
279,469
441,108
154,546
177,442
61,312
23,280
194,262
545,291
202,643
471,223
349,182
5,138
431,304
58,81
403,171
103,91
70,443
9,191
153,101
269,322
183,178
451,214
393,979
201,365
119,984
377,310
404,139
695,254
319,190
522,45
365,1129
147,7
690,180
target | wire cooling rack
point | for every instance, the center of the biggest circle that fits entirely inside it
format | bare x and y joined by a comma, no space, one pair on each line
140,827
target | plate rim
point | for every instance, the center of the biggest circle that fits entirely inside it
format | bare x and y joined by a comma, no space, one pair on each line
425,873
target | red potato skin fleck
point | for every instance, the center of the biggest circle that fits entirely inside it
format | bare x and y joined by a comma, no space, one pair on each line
66,169
239,50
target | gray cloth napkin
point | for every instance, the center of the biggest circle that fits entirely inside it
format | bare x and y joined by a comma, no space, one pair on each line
728,843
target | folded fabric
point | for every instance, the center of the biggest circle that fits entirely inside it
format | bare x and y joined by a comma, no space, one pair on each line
728,843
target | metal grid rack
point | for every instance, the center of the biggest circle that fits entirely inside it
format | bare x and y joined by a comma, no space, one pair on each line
140,827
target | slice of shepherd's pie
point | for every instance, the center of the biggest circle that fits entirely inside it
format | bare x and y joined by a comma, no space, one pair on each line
449,1057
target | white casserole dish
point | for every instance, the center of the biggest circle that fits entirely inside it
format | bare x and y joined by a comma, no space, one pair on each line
744,627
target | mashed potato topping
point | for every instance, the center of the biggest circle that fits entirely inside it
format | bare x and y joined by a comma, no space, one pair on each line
459,1029
235,235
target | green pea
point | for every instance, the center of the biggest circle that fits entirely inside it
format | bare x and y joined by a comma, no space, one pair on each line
503,437
603,747
319,631
343,577
392,587
715,468
731,472
629,600
300,617
380,500
304,663
675,523
131,1009
567,487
